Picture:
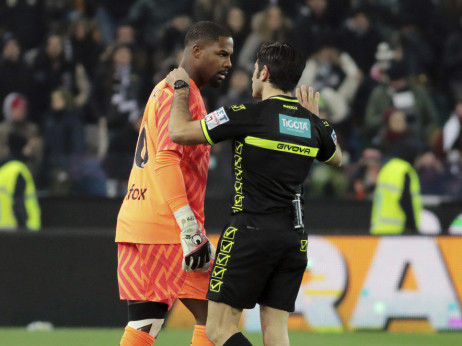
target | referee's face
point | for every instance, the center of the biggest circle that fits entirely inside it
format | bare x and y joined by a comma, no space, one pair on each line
216,61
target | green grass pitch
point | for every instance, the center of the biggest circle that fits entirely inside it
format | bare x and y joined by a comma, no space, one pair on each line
175,337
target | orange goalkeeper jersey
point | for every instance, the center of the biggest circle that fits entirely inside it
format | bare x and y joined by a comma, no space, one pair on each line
145,216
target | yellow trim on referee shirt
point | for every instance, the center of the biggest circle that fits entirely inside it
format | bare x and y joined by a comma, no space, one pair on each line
283,99
206,132
282,146
330,158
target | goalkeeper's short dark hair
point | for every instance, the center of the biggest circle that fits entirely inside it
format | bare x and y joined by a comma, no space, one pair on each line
205,31
285,64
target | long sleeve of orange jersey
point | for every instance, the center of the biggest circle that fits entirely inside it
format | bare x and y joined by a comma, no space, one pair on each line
169,173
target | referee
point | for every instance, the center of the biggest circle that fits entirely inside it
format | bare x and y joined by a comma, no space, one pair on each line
262,252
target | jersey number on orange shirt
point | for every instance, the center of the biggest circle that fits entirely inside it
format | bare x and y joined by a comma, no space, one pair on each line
141,155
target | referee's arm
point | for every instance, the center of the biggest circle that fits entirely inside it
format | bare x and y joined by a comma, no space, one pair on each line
310,100
182,129
336,159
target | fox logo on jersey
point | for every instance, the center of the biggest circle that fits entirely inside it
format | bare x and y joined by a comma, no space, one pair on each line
136,194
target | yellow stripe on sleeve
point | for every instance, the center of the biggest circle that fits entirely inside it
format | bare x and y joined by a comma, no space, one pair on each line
206,132
330,158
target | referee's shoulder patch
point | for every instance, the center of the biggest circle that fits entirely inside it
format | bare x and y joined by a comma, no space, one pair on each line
334,137
216,118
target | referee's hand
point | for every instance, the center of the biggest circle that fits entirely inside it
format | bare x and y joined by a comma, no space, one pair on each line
308,99
177,74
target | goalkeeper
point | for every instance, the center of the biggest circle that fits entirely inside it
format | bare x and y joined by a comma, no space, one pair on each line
261,256
163,253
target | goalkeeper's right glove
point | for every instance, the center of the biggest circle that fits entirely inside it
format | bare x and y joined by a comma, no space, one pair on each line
197,249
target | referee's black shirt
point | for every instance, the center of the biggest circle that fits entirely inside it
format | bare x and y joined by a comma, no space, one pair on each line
274,143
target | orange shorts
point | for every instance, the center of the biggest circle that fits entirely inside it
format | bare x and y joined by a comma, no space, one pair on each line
153,272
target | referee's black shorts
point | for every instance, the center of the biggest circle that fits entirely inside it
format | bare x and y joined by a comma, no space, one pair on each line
260,259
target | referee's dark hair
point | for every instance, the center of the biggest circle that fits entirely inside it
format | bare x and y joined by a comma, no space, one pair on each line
285,64
205,31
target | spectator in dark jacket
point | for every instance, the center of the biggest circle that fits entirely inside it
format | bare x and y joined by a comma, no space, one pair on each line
116,99
54,69
14,72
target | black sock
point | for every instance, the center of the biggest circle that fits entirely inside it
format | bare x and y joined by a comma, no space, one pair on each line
237,339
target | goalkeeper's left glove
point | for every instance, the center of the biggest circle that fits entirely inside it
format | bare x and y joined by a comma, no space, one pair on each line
197,249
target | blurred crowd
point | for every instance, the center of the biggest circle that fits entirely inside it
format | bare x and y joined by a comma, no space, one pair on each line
75,75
